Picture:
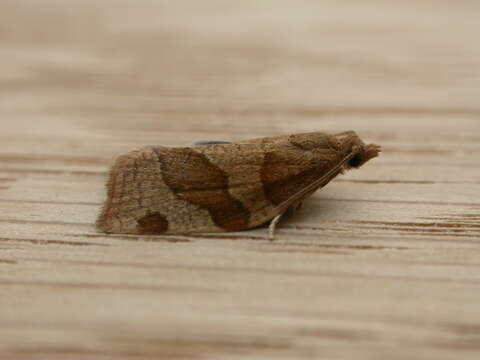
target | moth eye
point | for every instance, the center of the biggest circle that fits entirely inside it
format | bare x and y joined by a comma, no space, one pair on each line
366,153
356,161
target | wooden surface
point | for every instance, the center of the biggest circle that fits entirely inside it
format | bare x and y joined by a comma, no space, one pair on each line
382,263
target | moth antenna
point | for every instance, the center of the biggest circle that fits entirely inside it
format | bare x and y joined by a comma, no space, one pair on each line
279,209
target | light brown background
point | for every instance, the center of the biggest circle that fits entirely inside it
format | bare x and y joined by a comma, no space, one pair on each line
382,263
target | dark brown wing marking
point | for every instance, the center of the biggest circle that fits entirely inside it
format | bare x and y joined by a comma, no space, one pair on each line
282,179
154,223
193,178
284,173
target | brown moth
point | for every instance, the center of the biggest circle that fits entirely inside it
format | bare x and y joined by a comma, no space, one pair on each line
220,187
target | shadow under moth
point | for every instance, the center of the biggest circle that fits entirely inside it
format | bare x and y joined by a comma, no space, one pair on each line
220,186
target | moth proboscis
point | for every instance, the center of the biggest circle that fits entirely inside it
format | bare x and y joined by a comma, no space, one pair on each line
221,187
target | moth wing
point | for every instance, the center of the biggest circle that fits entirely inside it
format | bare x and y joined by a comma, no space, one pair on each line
264,175
209,189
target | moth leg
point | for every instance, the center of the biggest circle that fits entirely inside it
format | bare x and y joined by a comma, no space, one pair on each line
273,224
272,227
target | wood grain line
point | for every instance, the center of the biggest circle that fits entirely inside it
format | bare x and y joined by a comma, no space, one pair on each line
404,182
47,158
51,242
39,222
279,109
51,202
53,172
257,270
173,238
347,233
96,286
440,203
8,261
453,164
449,225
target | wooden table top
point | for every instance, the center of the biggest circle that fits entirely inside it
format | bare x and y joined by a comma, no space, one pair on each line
384,262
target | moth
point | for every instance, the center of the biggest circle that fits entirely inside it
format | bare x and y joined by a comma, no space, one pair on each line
222,187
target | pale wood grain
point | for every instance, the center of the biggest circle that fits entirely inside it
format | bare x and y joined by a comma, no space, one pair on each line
382,263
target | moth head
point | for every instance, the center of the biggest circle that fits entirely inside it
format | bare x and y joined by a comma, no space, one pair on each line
351,143
364,153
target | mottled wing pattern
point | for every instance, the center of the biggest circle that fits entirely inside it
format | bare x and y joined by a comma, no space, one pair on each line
199,181
169,190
